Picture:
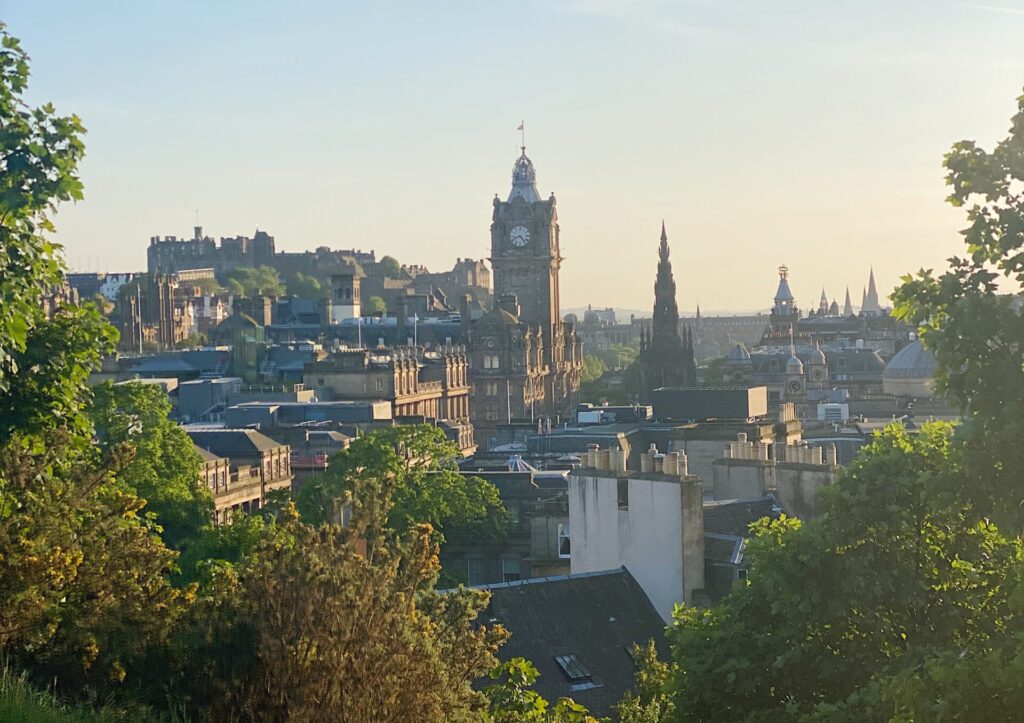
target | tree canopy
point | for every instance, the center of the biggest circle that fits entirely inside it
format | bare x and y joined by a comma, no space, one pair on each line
252,281
307,287
374,305
390,267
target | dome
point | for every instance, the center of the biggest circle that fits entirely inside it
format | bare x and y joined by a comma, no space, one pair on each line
794,365
817,356
911,372
738,355
913,361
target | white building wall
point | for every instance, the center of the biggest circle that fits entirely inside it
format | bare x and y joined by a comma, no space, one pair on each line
647,538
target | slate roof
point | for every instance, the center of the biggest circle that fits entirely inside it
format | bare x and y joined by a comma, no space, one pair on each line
596,617
206,454
733,517
233,443
723,549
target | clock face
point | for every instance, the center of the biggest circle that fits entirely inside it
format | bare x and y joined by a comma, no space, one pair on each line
519,236
794,386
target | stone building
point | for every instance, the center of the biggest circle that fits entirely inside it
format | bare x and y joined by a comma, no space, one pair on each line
526,362
666,356
241,466
432,386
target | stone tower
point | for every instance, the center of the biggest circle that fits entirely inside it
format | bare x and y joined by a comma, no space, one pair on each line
666,358
527,362
525,255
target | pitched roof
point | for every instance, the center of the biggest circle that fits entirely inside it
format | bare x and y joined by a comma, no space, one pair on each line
733,517
233,442
595,617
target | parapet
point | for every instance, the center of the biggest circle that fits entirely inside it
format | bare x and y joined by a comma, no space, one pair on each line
742,449
672,464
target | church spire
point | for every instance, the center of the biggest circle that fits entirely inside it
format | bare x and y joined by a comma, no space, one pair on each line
871,304
848,307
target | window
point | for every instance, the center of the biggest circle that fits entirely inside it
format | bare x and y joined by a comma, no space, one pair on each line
579,677
475,570
491,414
573,669
564,549
623,494
491,361
741,574
510,569
277,467
491,389
380,385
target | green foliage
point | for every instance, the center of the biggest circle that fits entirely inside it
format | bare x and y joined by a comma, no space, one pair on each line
593,369
809,633
714,373
222,545
192,341
390,267
39,155
974,327
208,286
307,287
512,701
374,305
21,701
651,701
48,387
413,468
84,596
310,627
252,281
617,357
164,470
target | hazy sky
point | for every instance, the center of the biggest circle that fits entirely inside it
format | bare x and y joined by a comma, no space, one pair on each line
804,132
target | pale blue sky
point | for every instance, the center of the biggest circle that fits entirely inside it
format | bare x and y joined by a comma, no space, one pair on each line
804,132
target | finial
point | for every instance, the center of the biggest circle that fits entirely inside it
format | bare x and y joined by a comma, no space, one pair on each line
522,136
664,236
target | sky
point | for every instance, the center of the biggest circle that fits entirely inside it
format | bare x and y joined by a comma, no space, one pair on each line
808,133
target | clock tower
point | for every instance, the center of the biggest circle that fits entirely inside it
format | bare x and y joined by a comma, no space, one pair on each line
525,254
526,363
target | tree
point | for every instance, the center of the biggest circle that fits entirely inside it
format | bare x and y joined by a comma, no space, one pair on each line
808,638
390,267
39,155
593,369
252,281
413,468
512,701
306,287
84,596
973,323
165,469
208,286
374,305
714,372
342,624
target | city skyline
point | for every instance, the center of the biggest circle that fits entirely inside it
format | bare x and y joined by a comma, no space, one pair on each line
761,136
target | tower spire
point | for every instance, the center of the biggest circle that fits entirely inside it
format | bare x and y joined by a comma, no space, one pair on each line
848,307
